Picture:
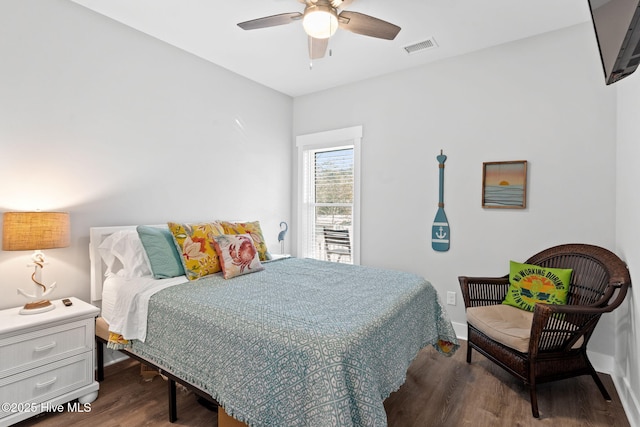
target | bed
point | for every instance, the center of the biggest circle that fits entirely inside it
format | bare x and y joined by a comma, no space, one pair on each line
298,342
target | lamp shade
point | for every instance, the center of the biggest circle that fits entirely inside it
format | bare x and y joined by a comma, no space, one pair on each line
23,231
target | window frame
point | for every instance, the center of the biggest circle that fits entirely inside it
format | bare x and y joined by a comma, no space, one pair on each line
330,140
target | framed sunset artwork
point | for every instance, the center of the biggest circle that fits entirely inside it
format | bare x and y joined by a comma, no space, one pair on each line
504,184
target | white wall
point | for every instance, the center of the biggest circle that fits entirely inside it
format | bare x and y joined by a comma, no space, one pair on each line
628,243
541,99
118,128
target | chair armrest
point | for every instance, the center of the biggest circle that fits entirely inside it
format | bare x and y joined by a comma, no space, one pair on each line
560,327
481,291
571,309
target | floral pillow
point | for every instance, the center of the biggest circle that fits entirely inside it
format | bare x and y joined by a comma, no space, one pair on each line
195,245
238,255
253,229
530,284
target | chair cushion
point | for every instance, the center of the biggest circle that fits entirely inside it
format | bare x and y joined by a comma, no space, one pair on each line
508,325
530,284
505,324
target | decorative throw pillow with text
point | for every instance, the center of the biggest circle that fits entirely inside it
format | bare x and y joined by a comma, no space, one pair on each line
529,284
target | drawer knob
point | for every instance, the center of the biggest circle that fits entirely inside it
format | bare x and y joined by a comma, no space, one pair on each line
47,383
45,347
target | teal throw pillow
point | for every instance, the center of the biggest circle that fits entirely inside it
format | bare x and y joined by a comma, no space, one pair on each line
164,259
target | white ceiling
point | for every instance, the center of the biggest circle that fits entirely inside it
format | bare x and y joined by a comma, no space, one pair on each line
277,57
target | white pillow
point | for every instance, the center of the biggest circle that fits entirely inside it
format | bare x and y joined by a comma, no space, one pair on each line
124,254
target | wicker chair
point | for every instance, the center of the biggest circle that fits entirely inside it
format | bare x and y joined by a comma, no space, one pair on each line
557,345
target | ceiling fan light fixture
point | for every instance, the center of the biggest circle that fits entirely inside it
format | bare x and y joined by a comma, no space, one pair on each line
320,21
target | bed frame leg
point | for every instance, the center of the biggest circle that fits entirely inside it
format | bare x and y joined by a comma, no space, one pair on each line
173,410
100,360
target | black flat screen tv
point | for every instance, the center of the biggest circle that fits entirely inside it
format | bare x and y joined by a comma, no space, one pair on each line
618,34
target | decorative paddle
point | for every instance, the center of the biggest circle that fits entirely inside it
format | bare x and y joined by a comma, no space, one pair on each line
440,229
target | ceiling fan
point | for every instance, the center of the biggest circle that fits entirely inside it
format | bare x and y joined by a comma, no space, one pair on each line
321,19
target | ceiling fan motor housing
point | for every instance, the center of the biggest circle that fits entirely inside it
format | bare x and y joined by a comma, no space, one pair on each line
320,20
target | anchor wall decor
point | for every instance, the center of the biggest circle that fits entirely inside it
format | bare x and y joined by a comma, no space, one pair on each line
440,234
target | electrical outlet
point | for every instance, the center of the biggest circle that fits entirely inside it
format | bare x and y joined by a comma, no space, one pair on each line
451,298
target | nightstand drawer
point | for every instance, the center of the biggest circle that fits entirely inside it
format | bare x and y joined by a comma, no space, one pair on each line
38,347
47,382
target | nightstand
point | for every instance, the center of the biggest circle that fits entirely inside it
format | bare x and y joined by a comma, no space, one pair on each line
46,360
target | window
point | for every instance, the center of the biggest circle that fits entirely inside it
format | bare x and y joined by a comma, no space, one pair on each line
329,195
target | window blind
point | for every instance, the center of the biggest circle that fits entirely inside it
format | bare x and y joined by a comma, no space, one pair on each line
330,197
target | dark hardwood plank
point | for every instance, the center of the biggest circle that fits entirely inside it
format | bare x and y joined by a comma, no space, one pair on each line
126,400
438,391
450,392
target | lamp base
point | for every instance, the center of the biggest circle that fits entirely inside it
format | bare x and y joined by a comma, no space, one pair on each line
37,307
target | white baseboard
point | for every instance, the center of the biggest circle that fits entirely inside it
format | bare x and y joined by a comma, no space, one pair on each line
601,362
461,330
628,399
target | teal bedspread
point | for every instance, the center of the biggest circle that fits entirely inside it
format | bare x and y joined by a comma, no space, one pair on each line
302,343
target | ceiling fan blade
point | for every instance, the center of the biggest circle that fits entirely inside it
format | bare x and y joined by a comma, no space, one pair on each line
366,25
270,21
317,47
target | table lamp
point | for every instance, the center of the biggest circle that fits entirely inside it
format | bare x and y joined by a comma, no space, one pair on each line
23,231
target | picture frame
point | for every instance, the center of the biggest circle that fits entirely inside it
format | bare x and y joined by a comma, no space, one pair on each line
504,185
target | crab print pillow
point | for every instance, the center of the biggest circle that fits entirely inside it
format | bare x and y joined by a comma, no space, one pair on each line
529,284
252,229
238,255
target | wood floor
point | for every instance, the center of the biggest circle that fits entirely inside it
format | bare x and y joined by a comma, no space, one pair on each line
439,391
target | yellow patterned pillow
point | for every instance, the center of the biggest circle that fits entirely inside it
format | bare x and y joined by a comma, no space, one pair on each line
195,245
251,228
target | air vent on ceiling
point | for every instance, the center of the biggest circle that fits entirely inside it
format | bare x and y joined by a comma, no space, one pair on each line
421,46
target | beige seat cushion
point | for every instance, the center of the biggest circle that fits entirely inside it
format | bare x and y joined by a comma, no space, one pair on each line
505,324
